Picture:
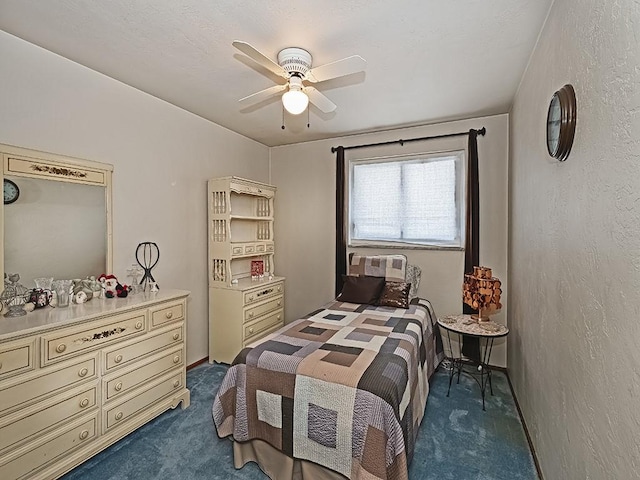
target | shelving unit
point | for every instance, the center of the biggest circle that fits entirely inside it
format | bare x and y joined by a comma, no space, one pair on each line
242,308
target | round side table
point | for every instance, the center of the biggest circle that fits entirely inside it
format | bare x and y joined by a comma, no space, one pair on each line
459,325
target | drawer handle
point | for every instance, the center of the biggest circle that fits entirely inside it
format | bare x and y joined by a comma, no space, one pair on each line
251,298
118,416
169,315
251,330
250,314
83,372
61,348
279,303
118,386
138,325
118,359
278,317
84,434
176,359
176,336
279,289
84,402
176,383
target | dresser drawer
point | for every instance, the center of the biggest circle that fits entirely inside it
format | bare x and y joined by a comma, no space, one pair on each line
142,372
20,391
263,308
40,417
262,325
16,357
49,448
262,293
118,414
167,313
66,342
121,355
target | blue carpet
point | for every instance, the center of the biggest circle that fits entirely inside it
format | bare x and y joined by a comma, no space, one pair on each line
457,440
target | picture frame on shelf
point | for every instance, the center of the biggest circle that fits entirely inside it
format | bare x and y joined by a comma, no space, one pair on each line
257,268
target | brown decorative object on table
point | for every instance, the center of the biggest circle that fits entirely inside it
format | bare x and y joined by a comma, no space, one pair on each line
481,291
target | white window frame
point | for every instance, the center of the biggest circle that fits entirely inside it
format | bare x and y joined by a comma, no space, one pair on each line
460,196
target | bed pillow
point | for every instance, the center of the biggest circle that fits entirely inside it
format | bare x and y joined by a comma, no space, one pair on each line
395,294
390,267
413,275
361,289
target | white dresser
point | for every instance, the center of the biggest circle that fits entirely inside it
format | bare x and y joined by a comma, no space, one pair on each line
242,308
75,380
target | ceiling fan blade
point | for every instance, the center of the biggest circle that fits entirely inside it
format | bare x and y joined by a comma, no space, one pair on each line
260,58
339,68
319,100
263,94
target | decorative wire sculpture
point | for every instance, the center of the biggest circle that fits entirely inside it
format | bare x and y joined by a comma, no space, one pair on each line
14,296
147,256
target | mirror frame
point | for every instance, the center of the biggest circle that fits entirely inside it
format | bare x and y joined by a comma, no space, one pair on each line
24,162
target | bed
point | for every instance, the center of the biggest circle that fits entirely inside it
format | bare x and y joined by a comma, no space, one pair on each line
340,392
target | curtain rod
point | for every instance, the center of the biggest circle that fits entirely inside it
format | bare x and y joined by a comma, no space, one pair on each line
482,131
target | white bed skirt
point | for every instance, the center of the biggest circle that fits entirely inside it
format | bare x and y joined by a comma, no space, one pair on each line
277,465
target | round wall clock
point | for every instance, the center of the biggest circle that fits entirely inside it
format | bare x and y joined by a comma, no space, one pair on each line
11,191
561,123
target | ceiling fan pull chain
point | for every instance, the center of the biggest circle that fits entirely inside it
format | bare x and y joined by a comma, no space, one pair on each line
308,119
283,117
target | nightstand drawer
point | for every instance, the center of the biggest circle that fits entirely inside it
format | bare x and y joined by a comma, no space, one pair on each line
141,373
259,310
119,414
265,323
64,343
35,420
17,356
169,313
30,387
124,355
53,445
262,293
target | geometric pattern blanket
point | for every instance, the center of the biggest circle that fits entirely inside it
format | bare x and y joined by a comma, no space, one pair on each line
344,387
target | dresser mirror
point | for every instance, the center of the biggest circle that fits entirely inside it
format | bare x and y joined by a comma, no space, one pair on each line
60,223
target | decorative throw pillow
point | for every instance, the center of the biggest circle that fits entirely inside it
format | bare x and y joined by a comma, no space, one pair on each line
361,289
395,294
413,277
390,267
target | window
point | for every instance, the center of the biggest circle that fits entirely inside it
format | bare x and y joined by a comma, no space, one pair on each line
414,200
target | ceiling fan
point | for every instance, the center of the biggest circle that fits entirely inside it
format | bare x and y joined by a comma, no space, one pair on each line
295,66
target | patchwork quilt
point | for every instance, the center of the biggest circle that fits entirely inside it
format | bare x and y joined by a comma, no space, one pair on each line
344,387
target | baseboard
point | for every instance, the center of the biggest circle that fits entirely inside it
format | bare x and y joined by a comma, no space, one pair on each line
199,362
524,424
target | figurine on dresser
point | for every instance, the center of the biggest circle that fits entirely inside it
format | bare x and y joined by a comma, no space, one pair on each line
112,288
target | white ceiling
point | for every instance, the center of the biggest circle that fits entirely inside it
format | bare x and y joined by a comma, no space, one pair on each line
427,60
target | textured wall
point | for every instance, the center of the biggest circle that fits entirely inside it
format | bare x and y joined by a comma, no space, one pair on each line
305,216
574,260
162,157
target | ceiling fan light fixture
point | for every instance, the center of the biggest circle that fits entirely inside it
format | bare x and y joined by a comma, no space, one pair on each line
295,101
